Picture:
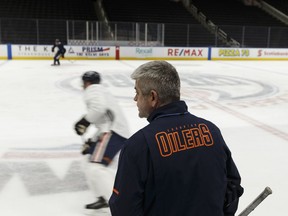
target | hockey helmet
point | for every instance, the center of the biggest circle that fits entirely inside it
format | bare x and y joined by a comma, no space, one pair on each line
92,77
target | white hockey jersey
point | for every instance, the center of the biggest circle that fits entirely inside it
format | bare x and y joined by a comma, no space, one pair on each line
100,105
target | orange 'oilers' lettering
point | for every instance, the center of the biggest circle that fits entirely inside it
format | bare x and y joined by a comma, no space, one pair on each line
169,143
206,135
164,144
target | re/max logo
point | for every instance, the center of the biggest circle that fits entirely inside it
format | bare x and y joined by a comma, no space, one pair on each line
185,52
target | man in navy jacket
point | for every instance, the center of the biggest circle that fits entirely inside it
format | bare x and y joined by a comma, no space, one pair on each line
179,164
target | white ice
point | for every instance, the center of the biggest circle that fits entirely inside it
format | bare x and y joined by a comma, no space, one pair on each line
40,161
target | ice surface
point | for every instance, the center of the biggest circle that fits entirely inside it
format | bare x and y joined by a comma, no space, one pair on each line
40,163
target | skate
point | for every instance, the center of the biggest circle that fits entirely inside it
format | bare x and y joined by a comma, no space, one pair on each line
100,203
57,63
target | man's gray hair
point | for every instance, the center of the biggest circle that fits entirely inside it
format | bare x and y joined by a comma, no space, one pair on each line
160,76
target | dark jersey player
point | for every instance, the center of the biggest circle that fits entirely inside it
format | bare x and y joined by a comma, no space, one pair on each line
60,51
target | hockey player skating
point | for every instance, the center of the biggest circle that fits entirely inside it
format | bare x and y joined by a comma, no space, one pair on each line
60,51
179,164
112,130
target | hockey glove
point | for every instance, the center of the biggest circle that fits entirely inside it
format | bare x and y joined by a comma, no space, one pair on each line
81,126
88,147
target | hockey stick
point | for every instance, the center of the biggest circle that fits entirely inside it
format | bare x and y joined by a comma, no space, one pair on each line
266,192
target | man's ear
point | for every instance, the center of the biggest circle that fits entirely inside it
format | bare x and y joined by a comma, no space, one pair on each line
154,98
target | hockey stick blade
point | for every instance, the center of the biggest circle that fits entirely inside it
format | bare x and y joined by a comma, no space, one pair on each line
266,192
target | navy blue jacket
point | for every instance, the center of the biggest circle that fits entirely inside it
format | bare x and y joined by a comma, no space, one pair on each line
178,165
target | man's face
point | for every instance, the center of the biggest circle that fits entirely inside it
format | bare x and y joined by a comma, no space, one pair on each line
85,84
144,102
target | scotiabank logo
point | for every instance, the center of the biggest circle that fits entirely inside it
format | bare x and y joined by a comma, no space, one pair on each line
272,53
185,52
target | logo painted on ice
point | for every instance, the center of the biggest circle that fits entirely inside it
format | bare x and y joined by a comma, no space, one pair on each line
227,88
221,88
39,178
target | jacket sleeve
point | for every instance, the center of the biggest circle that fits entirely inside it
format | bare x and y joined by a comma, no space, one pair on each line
234,189
128,192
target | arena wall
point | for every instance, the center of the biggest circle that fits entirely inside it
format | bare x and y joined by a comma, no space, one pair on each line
34,52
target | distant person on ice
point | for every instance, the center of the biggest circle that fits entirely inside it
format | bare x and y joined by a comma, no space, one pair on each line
60,51
177,165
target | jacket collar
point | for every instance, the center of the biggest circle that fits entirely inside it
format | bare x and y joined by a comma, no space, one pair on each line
173,108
